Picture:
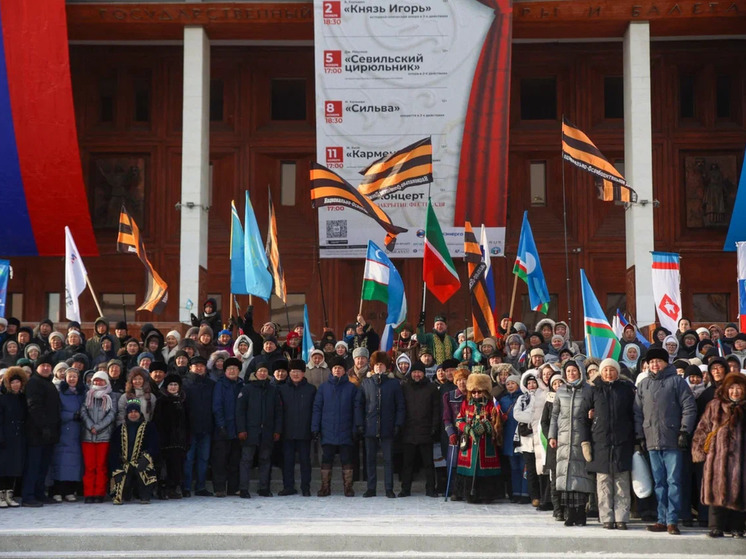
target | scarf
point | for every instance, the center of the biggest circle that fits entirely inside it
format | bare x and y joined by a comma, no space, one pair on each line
99,393
442,347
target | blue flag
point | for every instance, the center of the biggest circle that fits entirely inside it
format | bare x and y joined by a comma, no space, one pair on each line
4,275
238,271
600,340
307,346
737,228
528,268
382,282
256,266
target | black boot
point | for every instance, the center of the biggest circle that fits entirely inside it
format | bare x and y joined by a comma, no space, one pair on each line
580,518
570,516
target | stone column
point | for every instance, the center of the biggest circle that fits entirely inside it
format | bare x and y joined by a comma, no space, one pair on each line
638,168
195,167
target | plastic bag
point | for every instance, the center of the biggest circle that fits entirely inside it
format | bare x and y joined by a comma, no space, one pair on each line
642,479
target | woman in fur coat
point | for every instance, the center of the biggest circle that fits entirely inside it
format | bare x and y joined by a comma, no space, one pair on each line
12,433
720,442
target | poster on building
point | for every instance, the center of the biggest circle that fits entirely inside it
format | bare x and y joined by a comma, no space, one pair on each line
389,74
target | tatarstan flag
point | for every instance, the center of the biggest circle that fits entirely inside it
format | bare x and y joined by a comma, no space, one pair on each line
438,270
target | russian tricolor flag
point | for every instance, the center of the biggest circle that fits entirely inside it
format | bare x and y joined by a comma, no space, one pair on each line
41,181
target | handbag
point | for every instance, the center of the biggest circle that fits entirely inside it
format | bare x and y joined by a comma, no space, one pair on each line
642,479
525,429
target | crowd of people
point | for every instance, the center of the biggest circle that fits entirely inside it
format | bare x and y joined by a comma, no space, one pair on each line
523,416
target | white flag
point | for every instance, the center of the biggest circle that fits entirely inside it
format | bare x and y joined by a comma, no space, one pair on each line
666,290
75,275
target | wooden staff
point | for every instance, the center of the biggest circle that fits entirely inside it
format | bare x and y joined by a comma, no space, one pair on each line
93,293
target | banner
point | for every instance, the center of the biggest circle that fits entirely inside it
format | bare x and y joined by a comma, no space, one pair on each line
75,276
666,290
390,74
5,272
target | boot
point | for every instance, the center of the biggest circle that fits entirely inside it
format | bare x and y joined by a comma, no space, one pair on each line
570,516
580,516
9,499
347,474
326,481
3,504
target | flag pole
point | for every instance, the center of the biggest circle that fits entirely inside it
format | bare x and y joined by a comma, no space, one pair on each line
93,293
512,301
287,314
318,263
564,224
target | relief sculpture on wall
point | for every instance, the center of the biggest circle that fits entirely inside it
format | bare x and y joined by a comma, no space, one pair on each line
710,185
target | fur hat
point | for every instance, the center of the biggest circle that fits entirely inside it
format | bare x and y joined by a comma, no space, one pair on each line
14,373
205,329
729,380
172,377
692,370
449,364
279,365
121,325
720,361
232,362
360,352
158,366
337,361
197,359
298,364
380,357
609,362
478,382
657,353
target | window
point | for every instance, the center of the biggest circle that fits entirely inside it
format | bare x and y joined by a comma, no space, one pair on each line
613,97
538,182
530,317
539,98
53,307
710,307
216,100
686,96
287,183
107,87
14,306
118,306
288,99
723,96
287,316
141,85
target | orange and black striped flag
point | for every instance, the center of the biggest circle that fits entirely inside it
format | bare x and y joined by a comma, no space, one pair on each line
410,166
578,149
482,317
273,253
128,240
329,189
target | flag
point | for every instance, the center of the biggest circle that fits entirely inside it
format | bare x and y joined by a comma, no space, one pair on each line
238,268
528,268
621,321
273,253
741,251
307,346
382,282
75,276
410,166
128,240
488,278
481,311
578,149
737,227
6,272
666,291
256,272
600,340
438,271
329,189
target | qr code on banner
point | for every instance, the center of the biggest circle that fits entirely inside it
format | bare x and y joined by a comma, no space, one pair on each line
336,229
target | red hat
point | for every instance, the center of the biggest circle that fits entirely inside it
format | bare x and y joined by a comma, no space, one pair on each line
292,335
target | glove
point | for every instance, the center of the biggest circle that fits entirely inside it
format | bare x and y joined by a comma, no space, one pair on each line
276,437
453,440
683,440
315,435
243,436
397,430
587,451
641,446
194,318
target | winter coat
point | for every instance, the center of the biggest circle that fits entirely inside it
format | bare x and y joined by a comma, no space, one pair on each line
67,460
224,398
149,443
528,410
422,411
96,417
259,412
171,420
452,401
570,426
245,358
199,391
43,401
317,375
383,404
297,409
428,339
369,339
408,347
612,430
337,411
550,461
510,424
13,413
724,478
664,406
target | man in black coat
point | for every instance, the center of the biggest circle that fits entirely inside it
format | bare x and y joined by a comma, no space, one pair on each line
43,431
198,388
297,406
422,405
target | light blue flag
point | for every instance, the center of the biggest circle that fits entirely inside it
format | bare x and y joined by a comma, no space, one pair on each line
256,266
308,346
737,228
600,340
4,275
382,282
528,268
238,272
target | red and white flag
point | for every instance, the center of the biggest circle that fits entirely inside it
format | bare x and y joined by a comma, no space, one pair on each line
666,289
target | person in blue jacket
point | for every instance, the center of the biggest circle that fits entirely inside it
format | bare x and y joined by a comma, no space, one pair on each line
383,404
226,448
337,414
511,453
